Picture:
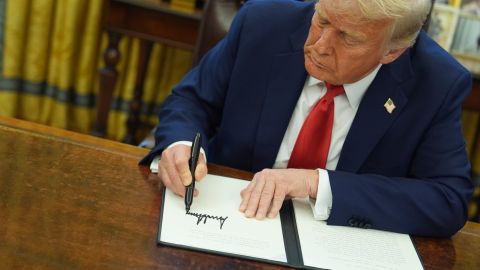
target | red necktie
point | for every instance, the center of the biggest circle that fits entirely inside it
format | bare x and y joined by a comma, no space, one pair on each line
313,141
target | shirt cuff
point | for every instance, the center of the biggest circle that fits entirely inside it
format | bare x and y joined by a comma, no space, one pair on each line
154,163
322,206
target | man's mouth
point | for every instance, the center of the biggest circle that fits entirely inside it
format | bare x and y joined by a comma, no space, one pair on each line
317,63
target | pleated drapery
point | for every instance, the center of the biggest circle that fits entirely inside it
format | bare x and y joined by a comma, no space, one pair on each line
51,51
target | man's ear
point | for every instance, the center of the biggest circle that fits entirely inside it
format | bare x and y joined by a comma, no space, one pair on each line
392,55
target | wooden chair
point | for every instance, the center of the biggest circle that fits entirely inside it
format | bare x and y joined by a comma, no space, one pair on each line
216,20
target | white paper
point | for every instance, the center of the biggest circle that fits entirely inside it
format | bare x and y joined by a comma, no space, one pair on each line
336,247
226,229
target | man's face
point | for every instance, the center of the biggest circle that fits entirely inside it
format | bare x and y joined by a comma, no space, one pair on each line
341,49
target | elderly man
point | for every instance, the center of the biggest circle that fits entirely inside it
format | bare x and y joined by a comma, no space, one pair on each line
346,102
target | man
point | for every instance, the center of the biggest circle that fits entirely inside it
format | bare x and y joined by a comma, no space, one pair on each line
395,158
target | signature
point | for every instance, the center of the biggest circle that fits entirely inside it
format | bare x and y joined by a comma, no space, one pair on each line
204,217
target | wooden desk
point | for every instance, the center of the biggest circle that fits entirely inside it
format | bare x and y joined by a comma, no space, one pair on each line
72,201
151,21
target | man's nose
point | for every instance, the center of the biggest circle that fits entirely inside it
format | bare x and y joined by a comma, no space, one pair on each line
325,42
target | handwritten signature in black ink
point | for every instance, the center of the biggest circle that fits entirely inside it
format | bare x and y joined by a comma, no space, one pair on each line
204,217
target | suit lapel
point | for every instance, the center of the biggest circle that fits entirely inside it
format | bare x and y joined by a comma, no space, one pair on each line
285,83
372,119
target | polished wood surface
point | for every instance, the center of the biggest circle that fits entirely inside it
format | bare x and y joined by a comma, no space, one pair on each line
72,201
151,21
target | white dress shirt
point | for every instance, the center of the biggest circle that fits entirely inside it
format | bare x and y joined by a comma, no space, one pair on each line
346,107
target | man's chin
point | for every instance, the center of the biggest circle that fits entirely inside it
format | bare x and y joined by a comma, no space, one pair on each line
320,75
317,72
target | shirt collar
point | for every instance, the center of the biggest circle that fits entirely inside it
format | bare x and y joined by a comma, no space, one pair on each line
353,91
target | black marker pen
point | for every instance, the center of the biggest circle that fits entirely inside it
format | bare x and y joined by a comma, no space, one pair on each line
197,141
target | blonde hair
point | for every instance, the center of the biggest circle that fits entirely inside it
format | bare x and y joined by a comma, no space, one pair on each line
407,16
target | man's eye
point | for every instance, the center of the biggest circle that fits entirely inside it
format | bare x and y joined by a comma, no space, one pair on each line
349,40
322,22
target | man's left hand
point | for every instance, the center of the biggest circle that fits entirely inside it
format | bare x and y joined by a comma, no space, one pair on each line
268,189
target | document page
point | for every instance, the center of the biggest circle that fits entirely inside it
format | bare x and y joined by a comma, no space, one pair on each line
214,222
338,247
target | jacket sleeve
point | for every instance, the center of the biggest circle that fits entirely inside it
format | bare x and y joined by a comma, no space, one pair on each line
196,103
432,200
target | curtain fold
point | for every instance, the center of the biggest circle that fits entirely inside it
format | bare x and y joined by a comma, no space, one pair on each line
51,52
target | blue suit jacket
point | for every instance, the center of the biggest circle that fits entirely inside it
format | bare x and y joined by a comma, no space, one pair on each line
406,172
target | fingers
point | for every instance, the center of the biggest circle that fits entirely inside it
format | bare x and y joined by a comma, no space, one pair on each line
245,194
180,159
265,200
171,180
277,202
265,194
173,168
201,170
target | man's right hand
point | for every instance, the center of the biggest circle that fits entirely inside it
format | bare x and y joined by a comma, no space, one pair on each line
174,171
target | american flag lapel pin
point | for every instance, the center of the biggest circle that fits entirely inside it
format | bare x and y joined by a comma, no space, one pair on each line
389,105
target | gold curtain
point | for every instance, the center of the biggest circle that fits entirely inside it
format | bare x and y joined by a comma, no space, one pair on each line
51,54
